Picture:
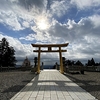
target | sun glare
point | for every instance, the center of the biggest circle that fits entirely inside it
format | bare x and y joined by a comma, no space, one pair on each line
42,23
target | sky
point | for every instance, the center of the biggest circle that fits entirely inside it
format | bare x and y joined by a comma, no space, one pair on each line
76,22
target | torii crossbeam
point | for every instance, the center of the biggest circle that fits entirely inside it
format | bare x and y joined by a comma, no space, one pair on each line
49,46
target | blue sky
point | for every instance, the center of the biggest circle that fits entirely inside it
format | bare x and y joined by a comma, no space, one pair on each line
76,22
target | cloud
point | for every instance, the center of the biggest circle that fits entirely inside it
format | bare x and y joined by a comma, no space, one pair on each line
10,19
37,4
69,31
83,4
59,8
21,14
95,20
25,24
22,50
38,37
82,35
18,15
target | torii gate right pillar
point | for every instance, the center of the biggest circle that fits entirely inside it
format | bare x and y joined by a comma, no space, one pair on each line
61,62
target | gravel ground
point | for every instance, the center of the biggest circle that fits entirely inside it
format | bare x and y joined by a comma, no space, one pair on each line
13,82
90,81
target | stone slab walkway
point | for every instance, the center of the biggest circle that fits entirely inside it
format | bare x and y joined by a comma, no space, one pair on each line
52,85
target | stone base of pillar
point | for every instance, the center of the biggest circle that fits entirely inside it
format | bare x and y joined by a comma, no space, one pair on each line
38,72
62,72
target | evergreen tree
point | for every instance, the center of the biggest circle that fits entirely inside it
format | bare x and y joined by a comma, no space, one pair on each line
7,54
68,62
79,63
92,62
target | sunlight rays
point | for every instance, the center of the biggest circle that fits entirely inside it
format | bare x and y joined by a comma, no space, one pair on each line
42,22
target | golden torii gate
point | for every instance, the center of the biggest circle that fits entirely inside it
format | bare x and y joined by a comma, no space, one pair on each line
49,46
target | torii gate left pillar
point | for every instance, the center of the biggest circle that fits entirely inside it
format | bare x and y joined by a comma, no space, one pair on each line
38,68
49,46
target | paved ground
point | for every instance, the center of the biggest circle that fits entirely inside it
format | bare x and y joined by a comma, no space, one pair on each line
52,85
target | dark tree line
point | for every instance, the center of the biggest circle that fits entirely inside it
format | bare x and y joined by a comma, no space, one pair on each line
92,63
7,54
71,62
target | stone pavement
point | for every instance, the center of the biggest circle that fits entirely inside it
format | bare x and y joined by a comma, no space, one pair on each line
52,85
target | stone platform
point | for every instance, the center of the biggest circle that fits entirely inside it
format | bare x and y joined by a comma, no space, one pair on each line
52,85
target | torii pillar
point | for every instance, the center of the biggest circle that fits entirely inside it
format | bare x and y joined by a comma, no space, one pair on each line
38,70
49,46
61,62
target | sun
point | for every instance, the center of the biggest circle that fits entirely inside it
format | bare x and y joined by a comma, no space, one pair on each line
42,22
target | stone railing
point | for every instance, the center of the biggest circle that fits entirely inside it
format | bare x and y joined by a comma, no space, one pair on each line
92,68
74,68
9,68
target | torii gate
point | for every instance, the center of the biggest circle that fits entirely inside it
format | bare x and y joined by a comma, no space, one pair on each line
49,46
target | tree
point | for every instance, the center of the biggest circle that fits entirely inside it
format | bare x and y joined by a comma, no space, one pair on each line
7,54
69,62
91,62
79,63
